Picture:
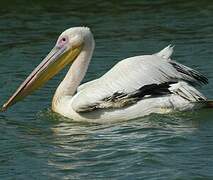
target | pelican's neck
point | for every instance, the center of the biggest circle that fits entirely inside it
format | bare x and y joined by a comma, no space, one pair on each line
76,72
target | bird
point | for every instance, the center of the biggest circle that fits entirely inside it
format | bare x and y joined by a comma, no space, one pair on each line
134,87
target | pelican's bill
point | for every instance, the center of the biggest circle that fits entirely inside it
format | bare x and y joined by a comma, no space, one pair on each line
54,62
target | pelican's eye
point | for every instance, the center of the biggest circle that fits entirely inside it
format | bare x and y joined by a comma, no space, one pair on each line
63,41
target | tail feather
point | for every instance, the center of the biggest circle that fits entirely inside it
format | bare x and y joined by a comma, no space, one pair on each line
209,104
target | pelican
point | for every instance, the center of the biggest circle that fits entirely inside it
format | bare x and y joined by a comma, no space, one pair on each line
134,87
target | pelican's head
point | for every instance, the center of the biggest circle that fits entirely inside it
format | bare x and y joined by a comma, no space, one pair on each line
65,51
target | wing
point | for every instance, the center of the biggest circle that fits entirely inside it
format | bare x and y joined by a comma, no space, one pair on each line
132,79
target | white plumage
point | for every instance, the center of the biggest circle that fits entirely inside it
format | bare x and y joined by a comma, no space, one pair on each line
94,101
128,76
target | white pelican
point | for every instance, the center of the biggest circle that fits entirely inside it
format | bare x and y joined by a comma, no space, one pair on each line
133,88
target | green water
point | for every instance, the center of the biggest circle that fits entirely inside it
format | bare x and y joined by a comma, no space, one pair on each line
38,144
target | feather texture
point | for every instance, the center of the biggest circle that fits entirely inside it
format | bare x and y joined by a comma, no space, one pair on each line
131,74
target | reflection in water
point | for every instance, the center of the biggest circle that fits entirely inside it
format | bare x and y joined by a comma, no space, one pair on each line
87,146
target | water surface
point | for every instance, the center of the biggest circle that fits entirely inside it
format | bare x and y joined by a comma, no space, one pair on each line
38,144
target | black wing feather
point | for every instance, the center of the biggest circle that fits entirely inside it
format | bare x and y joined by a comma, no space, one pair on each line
121,99
199,79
